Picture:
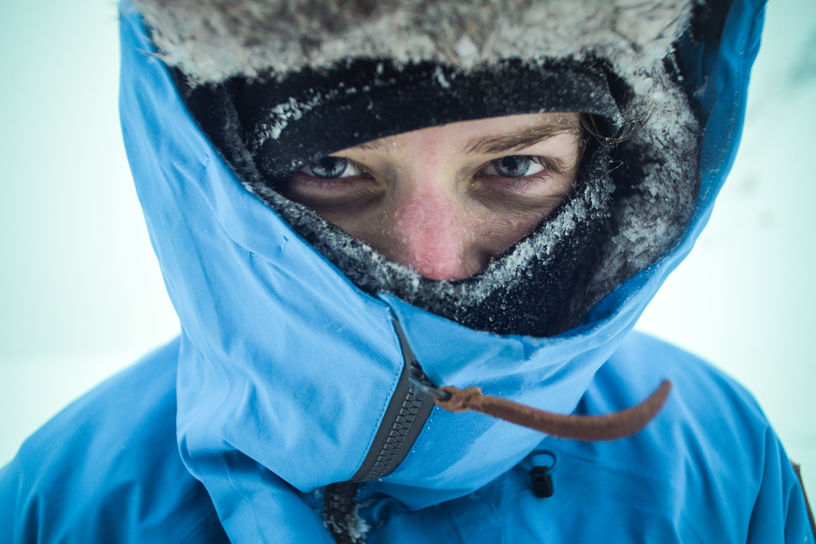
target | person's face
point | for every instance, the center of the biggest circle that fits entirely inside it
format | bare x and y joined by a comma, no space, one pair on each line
447,199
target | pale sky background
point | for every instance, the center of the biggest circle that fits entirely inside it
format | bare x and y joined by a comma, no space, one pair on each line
81,295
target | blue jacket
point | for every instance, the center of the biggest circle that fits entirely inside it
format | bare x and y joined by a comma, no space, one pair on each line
285,373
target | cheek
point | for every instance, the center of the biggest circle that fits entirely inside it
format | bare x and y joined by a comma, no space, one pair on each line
496,231
369,225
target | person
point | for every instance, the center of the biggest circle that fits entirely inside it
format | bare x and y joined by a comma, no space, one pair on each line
363,210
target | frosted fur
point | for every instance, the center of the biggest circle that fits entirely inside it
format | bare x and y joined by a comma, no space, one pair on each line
212,40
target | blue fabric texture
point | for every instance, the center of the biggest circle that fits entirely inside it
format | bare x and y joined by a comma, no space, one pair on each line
284,369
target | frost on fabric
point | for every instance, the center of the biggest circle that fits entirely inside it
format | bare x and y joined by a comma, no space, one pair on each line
281,115
664,152
359,528
352,525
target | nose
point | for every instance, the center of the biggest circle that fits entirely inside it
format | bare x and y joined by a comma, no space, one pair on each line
430,232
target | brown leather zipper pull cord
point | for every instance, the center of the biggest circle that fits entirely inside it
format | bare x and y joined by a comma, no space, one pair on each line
604,427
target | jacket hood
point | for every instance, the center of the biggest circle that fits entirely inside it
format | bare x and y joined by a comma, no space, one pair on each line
287,368
271,123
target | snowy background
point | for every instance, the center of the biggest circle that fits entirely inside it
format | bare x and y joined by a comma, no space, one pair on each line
80,291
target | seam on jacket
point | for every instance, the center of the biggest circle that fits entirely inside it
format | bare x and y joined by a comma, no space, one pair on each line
246,501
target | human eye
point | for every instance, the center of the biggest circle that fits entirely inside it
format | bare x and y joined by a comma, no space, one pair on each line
331,168
331,183
522,182
515,166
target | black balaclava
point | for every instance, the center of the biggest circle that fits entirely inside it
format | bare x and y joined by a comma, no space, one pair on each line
538,286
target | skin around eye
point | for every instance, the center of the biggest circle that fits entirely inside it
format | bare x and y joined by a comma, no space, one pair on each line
515,166
331,168
521,183
330,185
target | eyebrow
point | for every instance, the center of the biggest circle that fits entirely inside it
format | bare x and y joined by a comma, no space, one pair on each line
502,143
522,139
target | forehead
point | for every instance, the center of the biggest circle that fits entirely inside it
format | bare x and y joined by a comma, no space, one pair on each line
488,135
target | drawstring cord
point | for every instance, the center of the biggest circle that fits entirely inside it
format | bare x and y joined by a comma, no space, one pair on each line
588,428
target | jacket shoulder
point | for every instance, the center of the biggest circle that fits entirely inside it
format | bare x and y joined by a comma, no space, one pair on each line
711,451
107,468
642,359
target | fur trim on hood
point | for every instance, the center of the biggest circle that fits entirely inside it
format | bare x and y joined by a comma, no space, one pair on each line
212,40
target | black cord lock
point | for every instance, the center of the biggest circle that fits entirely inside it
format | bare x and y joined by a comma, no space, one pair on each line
540,475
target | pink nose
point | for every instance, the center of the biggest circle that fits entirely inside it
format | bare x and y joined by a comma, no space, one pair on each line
430,235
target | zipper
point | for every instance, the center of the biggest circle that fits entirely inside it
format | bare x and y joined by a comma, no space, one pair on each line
404,418
407,412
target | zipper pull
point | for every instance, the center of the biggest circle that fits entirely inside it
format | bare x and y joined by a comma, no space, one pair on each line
421,382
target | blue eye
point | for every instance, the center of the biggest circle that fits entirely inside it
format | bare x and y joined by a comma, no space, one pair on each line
515,166
330,168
